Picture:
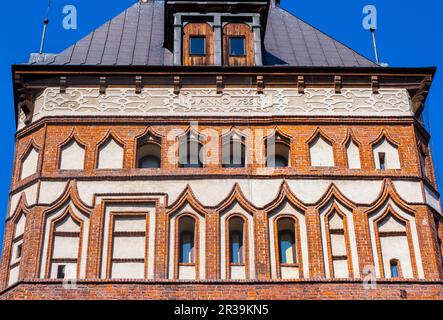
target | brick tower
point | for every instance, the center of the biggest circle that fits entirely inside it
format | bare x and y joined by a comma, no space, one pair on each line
220,150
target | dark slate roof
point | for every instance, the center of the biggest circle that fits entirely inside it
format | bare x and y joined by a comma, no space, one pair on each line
135,37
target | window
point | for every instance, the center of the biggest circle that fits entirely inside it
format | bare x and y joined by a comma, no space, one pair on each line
394,269
236,241
61,271
190,151
197,46
149,152
277,151
17,247
287,247
237,46
233,151
236,249
382,160
286,241
186,247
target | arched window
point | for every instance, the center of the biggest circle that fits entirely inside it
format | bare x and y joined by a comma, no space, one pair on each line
277,151
286,241
233,151
187,240
190,151
236,247
149,152
395,268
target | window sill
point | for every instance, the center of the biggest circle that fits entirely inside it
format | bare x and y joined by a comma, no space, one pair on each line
183,264
237,265
289,265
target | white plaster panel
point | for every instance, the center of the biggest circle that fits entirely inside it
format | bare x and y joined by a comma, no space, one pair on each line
20,226
432,199
341,269
396,248
130,224
338,245
13,275
186,273
392,159
110,155
66,247
321,153
29,164
129,248
72,156
130,270
31,197
238,272
290,273
353,155
259,192
409,191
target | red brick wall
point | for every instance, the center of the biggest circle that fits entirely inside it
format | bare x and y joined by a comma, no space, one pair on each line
49,138
295,290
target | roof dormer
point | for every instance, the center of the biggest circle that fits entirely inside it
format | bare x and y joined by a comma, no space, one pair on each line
228,33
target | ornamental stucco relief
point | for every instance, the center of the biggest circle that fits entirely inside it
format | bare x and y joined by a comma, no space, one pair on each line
232,102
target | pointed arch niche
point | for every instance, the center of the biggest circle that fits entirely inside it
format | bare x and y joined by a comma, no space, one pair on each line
65,238
110,153
385,153
187,238
338,236
237,249
352,147
72,154
287,223
321,151
19,224
29,161
394,239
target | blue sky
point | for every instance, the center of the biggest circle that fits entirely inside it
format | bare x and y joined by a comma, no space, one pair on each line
409,35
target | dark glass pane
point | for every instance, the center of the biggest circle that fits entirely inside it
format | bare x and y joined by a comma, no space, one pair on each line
237,46
394,269
61,271
197,45
149,162
287,247
186,246
236,242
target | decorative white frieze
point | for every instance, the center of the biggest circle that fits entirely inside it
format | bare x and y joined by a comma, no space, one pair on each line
232,102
